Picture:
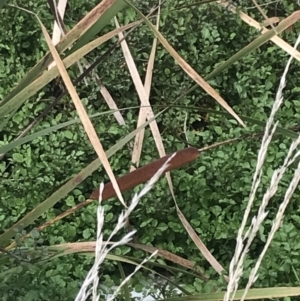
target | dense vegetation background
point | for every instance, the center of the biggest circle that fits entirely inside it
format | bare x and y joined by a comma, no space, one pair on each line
211,192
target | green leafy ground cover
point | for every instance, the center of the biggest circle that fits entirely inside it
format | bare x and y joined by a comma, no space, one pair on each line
211,192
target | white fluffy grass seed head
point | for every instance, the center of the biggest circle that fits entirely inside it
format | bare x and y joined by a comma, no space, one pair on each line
236,265
102,248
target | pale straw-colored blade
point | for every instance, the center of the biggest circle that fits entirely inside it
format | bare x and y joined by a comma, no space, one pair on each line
87,124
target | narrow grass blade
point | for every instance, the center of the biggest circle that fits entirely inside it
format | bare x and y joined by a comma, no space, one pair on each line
187,68
265,37
60,9
138,142
87,124
88,249
125,288
276,39
292,19
14,144
144,98
99,11
8,147
30,217
200,245
254,294
279,130
171,257
110,101
19,98
114,7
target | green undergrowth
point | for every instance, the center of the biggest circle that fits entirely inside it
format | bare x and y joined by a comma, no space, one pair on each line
212,192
